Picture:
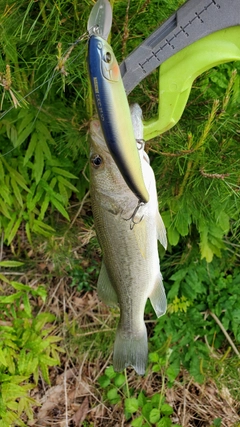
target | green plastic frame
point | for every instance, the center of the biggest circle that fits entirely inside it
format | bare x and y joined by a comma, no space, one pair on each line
176,75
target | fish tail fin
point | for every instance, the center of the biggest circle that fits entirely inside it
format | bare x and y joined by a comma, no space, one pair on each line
131,350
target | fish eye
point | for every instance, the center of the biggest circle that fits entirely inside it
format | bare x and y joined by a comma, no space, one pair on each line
107,57
96,160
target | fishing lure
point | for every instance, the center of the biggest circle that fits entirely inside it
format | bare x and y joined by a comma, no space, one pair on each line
111,100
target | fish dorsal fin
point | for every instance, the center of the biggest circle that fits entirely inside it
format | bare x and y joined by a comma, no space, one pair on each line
105,289
158,297
161,231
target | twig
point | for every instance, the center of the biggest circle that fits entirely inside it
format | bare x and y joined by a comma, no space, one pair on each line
225,333
185,391
213,175
78,212
177,154
65,394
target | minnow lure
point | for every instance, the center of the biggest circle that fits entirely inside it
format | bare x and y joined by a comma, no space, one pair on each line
111,100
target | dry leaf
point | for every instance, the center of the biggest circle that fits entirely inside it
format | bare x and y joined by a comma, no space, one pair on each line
81,413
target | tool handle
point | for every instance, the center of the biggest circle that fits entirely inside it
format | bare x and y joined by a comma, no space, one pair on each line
176,75
194,20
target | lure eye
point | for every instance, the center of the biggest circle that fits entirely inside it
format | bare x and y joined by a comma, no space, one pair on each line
96,160
107,57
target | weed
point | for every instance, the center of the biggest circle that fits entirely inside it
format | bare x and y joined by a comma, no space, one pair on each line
141,410
28,347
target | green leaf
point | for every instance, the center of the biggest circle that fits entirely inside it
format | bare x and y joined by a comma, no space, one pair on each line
183,220
48,361
119,380
26,304
153,357
104,381
42,228
63,172
44,371
44,207
4,209
60,208
23,135
154,415
38,162
131,405
174,290
166,409
146,410
195,370
110,372
12,391
223,221
46,149
142,399
31,148
156,399
43,131
64,193
113,396
16,192
14,231
66,183
173,236
2,358
28,232
173,370
138,422
18,178
11,264
206,251
2,172
164,422
28,118
217,422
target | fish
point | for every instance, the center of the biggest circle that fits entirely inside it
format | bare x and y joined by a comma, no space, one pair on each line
114,114
130,270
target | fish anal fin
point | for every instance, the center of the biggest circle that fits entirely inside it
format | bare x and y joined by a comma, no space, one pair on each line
131,351
158,297
105,289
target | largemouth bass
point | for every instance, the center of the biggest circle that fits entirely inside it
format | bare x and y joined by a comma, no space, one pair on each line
114,115
130,271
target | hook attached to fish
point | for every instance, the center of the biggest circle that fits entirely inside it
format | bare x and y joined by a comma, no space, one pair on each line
111,100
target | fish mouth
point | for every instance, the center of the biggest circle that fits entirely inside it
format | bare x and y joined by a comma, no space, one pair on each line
97,137
95,127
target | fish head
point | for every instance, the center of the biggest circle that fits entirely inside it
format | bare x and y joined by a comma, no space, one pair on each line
101,54
99,152
104,171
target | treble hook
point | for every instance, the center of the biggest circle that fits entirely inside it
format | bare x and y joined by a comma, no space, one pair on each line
133,222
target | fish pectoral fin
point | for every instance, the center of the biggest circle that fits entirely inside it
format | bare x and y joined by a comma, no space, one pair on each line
161,231
158,297
105,289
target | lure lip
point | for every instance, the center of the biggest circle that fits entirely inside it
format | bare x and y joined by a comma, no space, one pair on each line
100,19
